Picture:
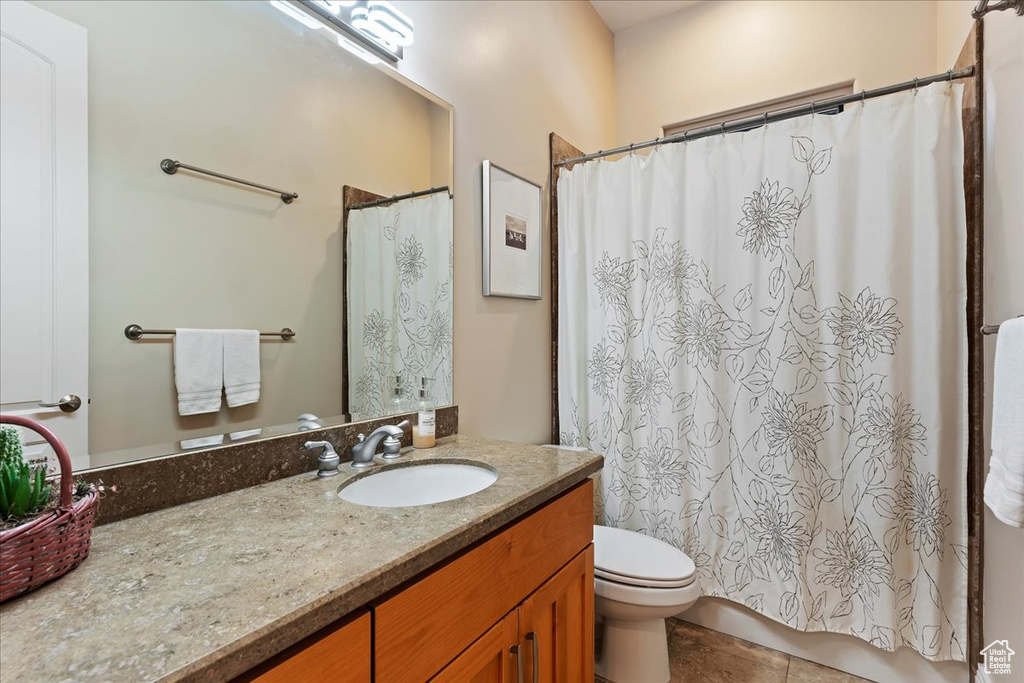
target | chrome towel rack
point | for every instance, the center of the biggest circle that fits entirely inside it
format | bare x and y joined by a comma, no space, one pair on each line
170,167
993,329
135,332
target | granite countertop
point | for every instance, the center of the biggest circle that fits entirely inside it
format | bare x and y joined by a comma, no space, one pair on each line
209,589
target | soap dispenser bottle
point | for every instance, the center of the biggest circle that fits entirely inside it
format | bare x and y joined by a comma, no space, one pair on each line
397,405
423,430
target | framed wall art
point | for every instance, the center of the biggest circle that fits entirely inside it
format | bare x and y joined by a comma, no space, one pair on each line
512,234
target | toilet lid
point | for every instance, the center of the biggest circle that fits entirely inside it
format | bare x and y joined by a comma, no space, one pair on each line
635,559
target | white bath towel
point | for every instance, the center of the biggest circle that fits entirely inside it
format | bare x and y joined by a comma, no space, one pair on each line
1004,487
241,367
198,370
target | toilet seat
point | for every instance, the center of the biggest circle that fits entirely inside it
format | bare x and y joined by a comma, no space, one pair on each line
629,558
675,599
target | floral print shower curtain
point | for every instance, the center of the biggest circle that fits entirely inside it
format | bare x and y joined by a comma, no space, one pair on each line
400,260
764,334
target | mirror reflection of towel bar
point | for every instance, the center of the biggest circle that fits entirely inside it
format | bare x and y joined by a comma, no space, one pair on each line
170,167
135,332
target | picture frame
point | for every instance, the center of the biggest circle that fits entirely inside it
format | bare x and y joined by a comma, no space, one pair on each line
511,234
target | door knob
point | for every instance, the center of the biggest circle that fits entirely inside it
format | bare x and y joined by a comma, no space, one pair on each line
68,404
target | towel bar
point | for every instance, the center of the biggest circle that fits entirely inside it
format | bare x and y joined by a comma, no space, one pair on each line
170,167
135,332
993,329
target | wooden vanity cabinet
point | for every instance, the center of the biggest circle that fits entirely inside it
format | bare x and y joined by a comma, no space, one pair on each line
424,626
556,625
340,653
493,658
552,631
518,607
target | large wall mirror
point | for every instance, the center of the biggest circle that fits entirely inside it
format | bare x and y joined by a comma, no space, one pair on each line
245,90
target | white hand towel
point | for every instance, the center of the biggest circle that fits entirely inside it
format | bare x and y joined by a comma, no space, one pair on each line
1004,487
241,367
198,370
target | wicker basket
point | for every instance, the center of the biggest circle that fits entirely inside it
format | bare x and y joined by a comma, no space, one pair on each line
54,543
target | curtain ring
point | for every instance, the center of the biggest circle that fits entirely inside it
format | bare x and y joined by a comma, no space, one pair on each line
812,107
766,119
631,148
863,97
723,128
915,85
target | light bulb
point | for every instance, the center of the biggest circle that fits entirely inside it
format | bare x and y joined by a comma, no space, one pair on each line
397,24
375,31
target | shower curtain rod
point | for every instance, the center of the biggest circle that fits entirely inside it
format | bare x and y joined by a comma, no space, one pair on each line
985,6
774,116
397,197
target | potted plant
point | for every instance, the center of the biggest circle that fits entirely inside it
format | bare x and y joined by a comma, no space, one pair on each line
44,534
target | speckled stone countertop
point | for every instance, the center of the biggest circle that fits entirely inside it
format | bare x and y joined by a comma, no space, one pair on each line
209,589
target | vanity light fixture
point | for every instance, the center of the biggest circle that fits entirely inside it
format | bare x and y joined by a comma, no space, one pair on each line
335,7
376,32
396,24
370,29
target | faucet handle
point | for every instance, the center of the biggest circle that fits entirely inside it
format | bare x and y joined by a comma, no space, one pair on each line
328,461
393,443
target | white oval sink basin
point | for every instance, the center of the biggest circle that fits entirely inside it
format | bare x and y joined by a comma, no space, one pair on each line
422,484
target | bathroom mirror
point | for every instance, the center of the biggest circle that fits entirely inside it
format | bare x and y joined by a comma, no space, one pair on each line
245,90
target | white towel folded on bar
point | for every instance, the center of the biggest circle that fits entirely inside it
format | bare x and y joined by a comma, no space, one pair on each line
198,370
1004,487
241,366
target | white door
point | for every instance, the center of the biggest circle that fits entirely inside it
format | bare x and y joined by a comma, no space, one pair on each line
44,224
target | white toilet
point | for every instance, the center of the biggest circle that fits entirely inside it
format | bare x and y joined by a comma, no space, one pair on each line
638,582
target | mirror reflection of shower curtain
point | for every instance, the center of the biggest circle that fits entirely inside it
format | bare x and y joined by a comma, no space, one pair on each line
764,334
399,302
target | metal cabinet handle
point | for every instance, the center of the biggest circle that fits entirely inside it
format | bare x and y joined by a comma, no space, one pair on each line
532,637
68,404
519,662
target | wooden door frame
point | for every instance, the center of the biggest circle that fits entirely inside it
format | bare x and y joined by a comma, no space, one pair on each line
973,116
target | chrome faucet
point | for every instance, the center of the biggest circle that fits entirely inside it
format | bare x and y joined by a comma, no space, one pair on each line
366,448
328,460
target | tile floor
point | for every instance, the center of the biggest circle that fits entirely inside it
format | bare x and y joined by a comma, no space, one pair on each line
700,655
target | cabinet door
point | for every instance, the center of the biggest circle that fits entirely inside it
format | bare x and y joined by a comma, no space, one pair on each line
427,624
556,625
493,658
340,653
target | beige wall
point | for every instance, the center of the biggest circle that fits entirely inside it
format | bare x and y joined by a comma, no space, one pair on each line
953,22
715,56
239,88
515,71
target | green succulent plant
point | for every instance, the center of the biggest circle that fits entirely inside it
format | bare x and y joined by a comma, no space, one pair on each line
22,489
10,446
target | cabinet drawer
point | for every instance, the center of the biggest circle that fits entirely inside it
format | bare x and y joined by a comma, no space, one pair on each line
422,628
340,653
